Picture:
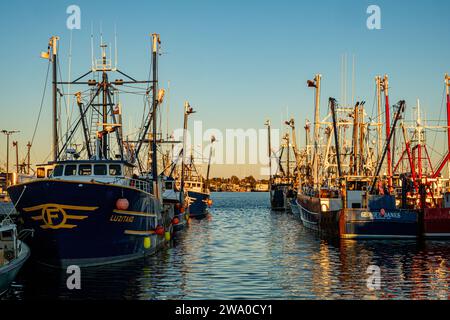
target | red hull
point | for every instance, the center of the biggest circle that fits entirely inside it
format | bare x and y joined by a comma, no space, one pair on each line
436,222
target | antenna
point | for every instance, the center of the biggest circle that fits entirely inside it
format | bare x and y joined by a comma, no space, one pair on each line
115,46
92,45
69,116
353,80
345,79
101,32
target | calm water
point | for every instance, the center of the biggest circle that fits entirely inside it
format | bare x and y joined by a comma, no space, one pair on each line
247,251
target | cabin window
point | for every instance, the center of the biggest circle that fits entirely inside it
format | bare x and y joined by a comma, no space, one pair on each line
40,173
356,205
169,185
115,170
49,172
100,169
7,235
85,170
58,172
70,170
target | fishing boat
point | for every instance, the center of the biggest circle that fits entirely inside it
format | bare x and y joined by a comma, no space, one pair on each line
343,201
319,196
426,189
174,197
191,183
282,182
368,216
98,206
13,254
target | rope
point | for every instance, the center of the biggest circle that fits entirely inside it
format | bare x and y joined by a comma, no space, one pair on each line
8,215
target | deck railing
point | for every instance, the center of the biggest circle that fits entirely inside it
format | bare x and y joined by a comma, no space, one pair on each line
135,183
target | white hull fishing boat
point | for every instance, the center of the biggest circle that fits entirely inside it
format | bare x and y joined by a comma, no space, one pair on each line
13,254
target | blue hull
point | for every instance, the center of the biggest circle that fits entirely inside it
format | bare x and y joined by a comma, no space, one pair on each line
198,206
78,223
366,224
278,200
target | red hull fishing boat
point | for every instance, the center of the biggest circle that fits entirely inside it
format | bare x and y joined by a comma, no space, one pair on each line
427,190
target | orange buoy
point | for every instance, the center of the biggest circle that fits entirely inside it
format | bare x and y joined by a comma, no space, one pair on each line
122,204
159,230
209,202
175,221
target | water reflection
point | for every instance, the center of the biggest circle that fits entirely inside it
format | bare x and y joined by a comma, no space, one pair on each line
248,252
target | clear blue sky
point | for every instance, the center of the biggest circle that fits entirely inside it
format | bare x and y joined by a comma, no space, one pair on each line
238,62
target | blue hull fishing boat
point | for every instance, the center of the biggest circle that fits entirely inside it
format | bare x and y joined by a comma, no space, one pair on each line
86,220
283,183
198,203
191,182
381,220
99,205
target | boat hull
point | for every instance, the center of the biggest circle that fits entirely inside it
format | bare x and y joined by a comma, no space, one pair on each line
278,197
198,204
9,272
295,208
78,223
436,223
389,224
320,214
181,216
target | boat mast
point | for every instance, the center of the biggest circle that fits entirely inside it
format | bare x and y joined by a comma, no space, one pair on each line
213,139
104,85
54,47
354,156
156,42
336,136
447,91
379,124
269,151
291,124
187,111
385,88
361,138
28,157
316,85
445,160
400,110
288,164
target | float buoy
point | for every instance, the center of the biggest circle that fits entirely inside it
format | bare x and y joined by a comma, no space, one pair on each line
159,230
167,235
209,202
175,221
382,212
122,204
147,242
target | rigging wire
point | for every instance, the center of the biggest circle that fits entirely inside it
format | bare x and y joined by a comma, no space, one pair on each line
42,104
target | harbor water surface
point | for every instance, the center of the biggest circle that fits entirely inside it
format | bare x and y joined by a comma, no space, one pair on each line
245,251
